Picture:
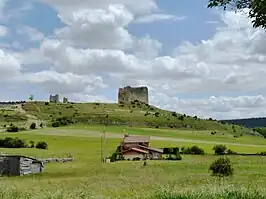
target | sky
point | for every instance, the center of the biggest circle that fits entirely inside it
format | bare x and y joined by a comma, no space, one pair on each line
194,60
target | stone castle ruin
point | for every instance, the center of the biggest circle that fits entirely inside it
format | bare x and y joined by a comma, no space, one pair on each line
128,94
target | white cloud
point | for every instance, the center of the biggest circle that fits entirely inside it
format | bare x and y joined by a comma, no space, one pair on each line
158,17
135,7
54,82
3,31
9,66
147,47
97,28
215,107
32,33
92,98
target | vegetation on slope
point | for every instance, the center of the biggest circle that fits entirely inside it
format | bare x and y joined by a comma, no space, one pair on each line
7,116
134,114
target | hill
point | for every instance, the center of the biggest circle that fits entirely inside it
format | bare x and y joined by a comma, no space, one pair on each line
248,122
134,114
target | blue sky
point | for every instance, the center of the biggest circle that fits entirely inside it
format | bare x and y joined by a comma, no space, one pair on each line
193,59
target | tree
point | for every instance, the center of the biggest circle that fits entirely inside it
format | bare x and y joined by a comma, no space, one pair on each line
221,167
31,97
220,149
257,9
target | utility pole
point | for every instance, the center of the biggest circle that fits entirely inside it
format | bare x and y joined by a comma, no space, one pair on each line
104,144
101,147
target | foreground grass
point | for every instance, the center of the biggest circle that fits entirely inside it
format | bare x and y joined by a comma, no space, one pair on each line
86,176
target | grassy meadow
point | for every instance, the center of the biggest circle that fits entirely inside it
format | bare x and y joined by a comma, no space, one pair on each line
87,177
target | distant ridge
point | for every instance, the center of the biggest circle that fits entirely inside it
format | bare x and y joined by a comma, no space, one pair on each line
248,122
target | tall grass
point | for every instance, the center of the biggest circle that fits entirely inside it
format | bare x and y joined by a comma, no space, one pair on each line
213,192
82,192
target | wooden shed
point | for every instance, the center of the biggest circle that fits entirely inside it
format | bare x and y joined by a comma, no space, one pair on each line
16,165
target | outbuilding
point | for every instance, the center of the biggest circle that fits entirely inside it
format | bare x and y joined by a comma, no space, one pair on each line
16,165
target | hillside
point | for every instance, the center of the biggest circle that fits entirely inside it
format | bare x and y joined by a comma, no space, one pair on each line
248,122
135,114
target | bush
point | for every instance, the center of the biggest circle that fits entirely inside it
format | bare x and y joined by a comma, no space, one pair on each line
32,144
55,124
263,153
157,114
221,167
46,103
174,114
194,150
181,117
113,157
219,149
9,142
12,129
41,145
231,152
33,125
136,159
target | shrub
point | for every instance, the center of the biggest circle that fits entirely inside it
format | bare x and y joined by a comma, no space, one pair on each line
194,150
219,149
113,157
231,152
41,145
32,144
9,142
136,159
12,129
157,114
181,117
55,124
221,167
174,114
263,153
46,103
33,125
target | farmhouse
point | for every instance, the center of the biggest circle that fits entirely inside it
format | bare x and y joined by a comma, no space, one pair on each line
16,165
133,147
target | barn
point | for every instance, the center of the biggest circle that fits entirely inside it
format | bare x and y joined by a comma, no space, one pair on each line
16,165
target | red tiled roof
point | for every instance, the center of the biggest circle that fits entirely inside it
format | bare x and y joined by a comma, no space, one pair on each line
151,149
137,150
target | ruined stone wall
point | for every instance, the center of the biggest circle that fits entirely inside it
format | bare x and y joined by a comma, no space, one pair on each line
128,94
54,98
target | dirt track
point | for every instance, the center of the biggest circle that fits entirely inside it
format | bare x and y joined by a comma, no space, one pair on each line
88,133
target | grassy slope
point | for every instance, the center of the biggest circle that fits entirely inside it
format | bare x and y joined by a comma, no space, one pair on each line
130,114
86,175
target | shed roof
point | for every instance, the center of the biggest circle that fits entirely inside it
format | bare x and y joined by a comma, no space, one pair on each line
22,156
135,139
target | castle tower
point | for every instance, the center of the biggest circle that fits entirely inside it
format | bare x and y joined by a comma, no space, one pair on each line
128,94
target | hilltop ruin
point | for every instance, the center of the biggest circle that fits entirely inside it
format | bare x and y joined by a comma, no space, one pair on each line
128,94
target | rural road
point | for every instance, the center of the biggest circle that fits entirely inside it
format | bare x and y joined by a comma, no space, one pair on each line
88,133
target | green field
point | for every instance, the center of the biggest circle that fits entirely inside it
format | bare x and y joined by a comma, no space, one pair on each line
87,177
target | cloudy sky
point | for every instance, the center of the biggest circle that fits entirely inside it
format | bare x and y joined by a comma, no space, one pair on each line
194,60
